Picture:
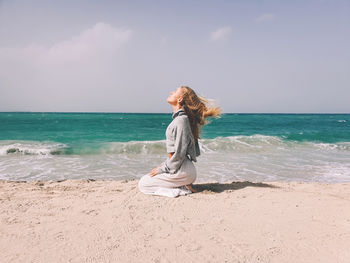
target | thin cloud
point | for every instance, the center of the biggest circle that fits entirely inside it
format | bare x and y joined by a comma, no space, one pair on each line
265,17
97,42
101,39
76,65
221,34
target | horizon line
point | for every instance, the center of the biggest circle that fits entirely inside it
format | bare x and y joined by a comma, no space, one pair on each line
171,112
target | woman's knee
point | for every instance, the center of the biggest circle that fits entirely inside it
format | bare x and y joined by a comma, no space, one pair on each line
144,182
141,183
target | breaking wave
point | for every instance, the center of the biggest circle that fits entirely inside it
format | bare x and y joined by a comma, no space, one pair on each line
230,144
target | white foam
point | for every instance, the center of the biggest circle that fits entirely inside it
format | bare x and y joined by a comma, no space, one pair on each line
221,159
29,147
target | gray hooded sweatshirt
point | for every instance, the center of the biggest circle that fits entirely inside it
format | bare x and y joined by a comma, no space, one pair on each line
180,141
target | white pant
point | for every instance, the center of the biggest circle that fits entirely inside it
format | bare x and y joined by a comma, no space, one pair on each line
167,184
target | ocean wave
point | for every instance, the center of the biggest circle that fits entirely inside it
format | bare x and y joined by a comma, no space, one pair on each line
255,142
343,146
259,142
31,148
229,144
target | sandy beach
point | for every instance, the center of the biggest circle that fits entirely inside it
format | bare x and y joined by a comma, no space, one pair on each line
111,221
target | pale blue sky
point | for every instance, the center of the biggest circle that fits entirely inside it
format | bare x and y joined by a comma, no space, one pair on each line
126,56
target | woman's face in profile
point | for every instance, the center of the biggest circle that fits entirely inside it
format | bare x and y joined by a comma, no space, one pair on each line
174,96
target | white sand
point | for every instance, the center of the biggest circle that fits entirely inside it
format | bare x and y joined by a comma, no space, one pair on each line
111,221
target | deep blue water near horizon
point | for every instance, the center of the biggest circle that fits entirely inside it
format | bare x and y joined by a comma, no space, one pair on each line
237,146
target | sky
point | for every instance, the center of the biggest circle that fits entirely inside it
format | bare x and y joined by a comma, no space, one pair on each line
127,56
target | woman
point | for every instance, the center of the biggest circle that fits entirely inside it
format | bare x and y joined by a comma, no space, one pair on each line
175,176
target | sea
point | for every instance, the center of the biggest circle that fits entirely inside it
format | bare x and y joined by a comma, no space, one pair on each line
124,146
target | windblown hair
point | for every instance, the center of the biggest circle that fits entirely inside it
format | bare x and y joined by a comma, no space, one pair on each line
198,109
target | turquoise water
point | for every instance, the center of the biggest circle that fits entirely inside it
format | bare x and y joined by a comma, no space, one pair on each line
306,147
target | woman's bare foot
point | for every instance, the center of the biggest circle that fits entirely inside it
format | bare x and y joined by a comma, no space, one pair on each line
189,186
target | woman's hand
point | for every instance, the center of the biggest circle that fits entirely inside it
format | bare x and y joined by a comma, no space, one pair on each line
154,171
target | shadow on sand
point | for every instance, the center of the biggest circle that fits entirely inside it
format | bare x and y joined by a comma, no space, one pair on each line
218,188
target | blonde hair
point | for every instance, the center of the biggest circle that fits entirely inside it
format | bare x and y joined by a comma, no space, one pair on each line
198,109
